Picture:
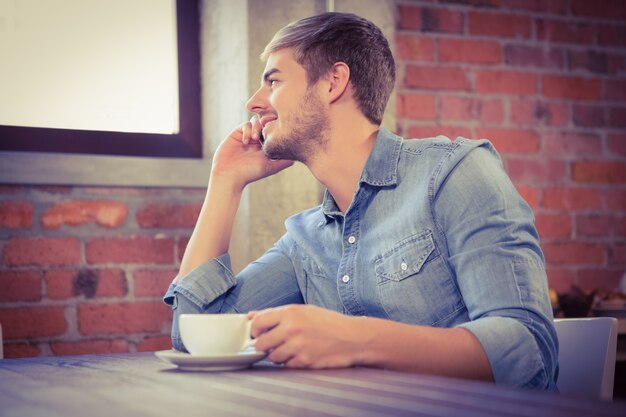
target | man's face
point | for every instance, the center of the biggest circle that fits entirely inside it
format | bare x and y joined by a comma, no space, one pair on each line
292,114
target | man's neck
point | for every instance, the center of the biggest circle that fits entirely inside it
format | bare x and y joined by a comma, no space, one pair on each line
340,165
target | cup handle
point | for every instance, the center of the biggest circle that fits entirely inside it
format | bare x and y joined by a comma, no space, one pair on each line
250,342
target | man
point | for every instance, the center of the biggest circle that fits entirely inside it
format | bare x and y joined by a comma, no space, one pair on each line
422,256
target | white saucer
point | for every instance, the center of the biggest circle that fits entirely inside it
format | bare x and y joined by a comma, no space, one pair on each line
188,362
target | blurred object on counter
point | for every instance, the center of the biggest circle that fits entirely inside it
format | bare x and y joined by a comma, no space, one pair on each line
611,303
576,302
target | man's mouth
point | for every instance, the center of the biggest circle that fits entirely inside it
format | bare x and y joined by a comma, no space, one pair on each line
266,120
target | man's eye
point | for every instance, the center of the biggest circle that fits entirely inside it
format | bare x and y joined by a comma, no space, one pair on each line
272,83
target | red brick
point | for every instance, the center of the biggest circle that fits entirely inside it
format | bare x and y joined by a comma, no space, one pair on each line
20,286
616,143
59,284
131,192
606,9
133,249
576,88
615,89
550,6
554,225
20,251
89,347
442,20
620,226
501,25
590,60
511,140
111,283
480,3
554,114
599,279
531,56
506,82
561,279
612,35
616,63
410,17
16,215
616,199
421,132
169,216
459,108
571,198
417,106
11,189
572,144
593,225
574,253
470,51
532,195
21,350
89,283
414,48
436,78
109,214
536,170
491,112
53,189
589,115
31,322
123,318
181,246
564,31
599,171
617,254
617,117
153,282
151,344
523,112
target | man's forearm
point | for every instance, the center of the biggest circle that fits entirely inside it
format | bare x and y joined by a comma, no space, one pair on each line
452,352
211,235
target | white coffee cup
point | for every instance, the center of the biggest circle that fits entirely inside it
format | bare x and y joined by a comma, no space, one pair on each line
215,334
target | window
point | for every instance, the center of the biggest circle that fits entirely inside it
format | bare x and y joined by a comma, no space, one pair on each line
158,59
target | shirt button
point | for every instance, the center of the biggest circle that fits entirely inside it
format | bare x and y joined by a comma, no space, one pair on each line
352,239
403,266
345,279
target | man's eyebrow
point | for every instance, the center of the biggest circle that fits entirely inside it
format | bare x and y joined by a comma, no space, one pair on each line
269,73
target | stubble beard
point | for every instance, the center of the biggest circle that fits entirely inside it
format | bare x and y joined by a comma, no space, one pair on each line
308,134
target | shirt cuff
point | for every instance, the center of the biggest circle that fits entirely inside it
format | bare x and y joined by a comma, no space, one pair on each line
205,283
511,350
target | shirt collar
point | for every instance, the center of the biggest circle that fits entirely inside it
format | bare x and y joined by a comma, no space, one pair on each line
381,168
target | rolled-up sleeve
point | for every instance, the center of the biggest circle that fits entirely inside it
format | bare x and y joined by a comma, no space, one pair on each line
212,287
494,250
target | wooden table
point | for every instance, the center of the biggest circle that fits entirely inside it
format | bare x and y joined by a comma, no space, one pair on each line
139,384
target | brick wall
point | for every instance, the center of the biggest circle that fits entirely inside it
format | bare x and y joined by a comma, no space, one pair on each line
83,268
545,81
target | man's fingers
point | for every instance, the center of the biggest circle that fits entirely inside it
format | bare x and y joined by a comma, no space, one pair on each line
245,138
265,320
256,128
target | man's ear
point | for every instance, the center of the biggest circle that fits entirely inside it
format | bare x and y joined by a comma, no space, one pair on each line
338,77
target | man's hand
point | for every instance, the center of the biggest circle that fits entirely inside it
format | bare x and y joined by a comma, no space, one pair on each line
306,336
240,157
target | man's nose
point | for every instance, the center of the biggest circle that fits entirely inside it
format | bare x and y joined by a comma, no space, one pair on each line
258,102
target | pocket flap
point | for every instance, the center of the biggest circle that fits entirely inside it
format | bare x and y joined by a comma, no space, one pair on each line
406,258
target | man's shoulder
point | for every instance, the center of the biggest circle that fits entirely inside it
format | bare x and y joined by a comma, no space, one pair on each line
442,144
309,219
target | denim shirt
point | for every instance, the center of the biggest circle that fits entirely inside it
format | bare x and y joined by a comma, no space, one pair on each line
436,235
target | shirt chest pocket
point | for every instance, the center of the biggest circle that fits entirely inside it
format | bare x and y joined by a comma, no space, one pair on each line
414,284
406,258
